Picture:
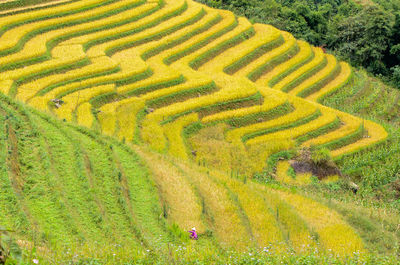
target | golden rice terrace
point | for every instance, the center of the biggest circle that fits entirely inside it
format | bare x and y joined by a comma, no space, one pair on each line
187,80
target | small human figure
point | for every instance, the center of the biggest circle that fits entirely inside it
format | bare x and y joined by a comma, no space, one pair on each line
193,234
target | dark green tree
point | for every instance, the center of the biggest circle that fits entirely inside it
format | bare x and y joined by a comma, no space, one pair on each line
365,38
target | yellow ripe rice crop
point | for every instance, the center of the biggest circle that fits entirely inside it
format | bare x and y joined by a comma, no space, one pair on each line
333,232
262,221
302,110
185,86
126,117
10,38
264,35
127,70
76,98
271,101
330,179
227,20
304,53
40,103
212,150
31,7
107,119
223,211
99,50
116,18
27,91
31,50
289,43
376,134
5,86
183,206
331,65
161,74
259,153
340,80
173,132
104,33
242,26
66,55
303,178
293,226
318,59
84,115
37,45
282,168
193,10
215,152
121,113
326,118
73,100
14,18
350,124
65,51
233,89
153,134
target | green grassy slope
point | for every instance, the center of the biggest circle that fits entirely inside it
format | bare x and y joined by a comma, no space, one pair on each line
63,185
378,167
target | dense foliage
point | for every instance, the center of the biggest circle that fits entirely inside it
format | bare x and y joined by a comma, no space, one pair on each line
367,34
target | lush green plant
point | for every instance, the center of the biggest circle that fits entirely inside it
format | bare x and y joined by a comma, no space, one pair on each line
321,156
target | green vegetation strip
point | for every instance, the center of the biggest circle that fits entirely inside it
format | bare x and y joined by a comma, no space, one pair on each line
68,165
11,214
142,190
40,194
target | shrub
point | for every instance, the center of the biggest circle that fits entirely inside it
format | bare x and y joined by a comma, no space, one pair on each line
321,156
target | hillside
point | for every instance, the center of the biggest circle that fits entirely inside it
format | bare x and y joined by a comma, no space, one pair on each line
172,114
76,194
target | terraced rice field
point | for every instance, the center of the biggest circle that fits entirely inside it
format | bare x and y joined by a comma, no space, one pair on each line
162,73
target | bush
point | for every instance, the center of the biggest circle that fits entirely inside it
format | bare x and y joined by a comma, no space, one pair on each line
321,156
